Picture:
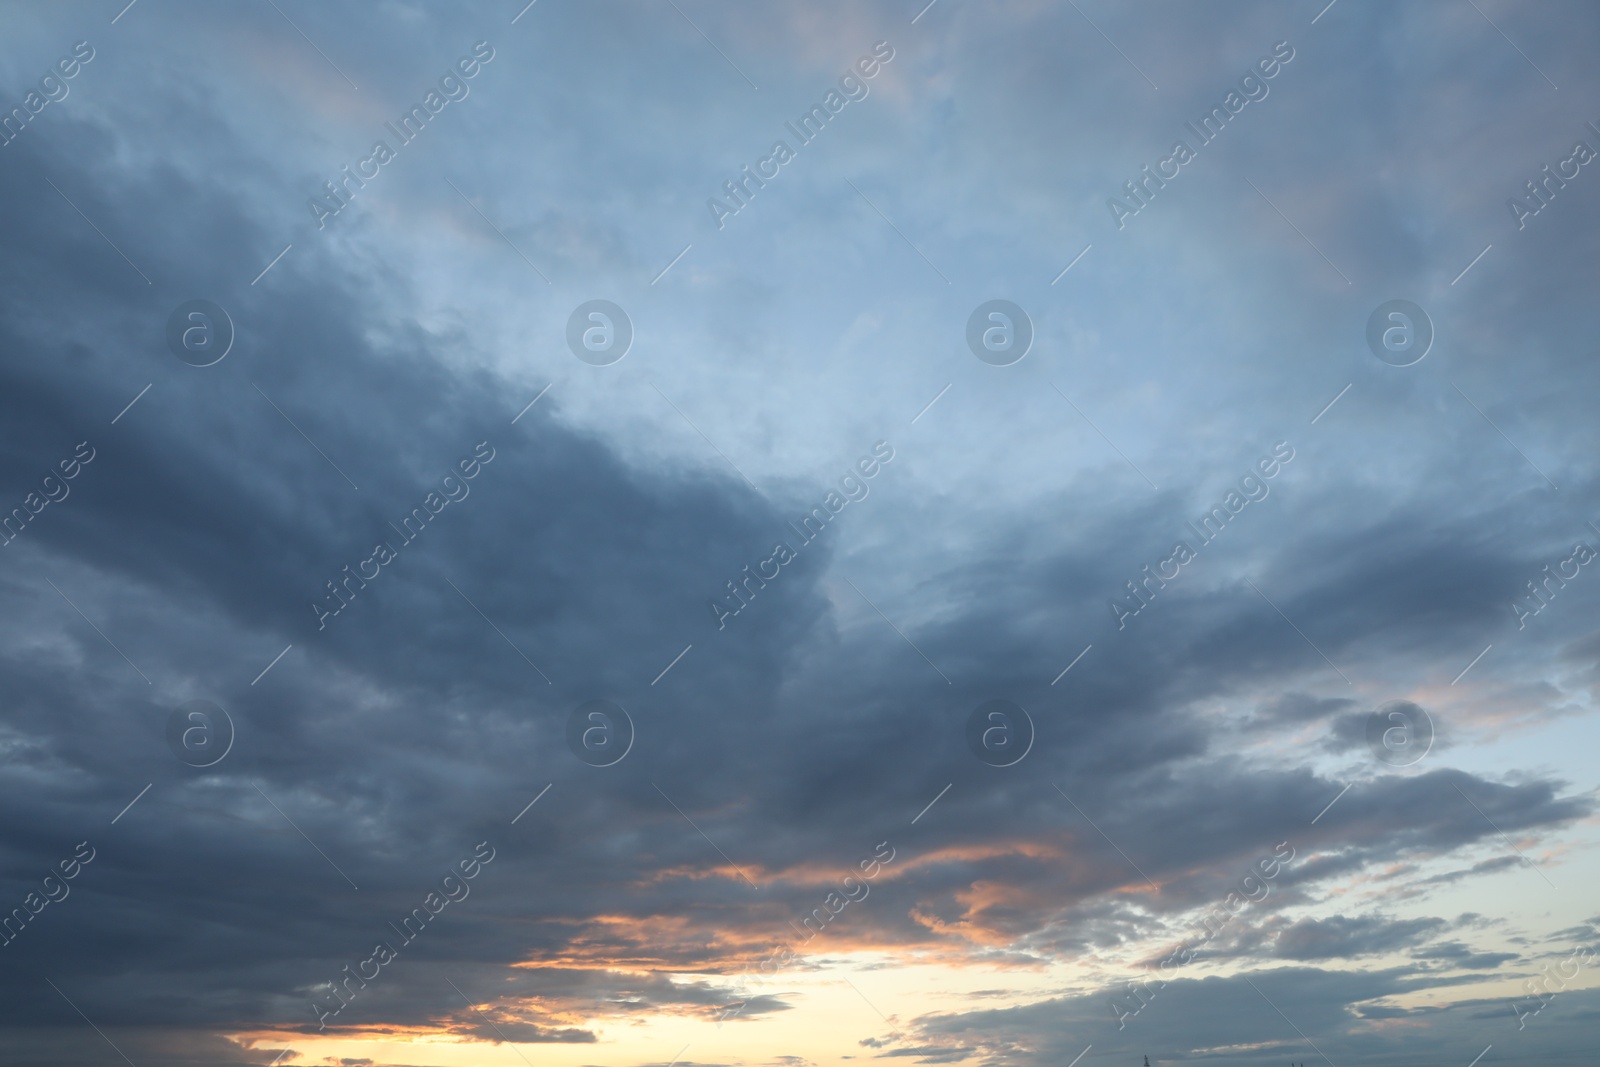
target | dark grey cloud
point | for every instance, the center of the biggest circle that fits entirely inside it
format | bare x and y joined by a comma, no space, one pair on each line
1313,939
1206,1019
426,715
1458,954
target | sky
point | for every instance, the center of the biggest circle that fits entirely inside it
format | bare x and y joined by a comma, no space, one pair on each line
636,534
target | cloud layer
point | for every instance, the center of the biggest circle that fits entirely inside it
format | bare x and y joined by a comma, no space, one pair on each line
674,898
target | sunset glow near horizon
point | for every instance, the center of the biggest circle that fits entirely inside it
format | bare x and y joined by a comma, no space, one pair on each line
688,534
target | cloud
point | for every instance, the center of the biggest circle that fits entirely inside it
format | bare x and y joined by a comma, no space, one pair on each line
385,742
1350,937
